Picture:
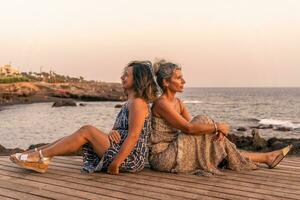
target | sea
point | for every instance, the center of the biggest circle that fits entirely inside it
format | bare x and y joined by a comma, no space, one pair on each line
275,110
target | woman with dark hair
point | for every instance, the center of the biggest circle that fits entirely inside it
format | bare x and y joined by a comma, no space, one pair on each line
199,145
124,148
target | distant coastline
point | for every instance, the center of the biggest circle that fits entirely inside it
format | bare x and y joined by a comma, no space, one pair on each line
34,92
32,87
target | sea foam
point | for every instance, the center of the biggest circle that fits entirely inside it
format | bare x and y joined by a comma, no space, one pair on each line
192,101
280,123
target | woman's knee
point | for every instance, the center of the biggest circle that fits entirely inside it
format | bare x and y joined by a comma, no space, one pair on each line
89,131
86,131
87,127
203,119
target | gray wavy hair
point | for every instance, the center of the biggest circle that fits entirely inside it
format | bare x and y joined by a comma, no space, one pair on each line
164,70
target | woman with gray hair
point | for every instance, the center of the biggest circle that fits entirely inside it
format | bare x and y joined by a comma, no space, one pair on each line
199,145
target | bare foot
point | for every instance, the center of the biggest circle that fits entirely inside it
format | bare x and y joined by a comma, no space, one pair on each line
275,157
272,156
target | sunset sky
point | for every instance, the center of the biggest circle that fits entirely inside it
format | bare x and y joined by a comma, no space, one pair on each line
218,43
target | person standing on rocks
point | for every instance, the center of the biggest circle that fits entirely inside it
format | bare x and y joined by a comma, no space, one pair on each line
124,148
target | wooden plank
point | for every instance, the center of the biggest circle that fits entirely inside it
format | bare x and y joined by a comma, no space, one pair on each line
144,190
258,184
274,193
133,180
248,185
217,181
108,184
83,189
3,197
48,190
19,195
271,173
33,188
238,194
264,175
252,178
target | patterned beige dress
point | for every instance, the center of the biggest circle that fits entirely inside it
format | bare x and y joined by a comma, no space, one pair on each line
173,151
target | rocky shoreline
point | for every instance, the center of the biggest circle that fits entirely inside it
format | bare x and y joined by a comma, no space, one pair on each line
254,144
35,92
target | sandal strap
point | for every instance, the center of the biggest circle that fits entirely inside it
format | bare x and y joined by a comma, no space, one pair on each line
43,159
23,157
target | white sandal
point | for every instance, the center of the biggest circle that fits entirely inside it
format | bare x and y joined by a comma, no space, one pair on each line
40,166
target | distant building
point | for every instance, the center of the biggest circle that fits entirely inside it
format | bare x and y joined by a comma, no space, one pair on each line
8,70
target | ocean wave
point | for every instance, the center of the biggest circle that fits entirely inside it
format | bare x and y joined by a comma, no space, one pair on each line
192,101
226,103
280,124
251,119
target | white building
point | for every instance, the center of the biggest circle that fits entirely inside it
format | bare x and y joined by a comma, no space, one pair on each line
8,70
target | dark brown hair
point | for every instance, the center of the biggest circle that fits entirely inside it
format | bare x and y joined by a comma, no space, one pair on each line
143,80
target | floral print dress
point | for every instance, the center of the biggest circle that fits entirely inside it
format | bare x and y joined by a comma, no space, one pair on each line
134,162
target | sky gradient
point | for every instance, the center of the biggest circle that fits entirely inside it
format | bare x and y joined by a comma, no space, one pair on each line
224,43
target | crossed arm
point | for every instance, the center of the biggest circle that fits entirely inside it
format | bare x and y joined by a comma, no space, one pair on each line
182,120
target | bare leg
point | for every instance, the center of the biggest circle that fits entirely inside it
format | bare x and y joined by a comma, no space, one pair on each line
71,143
265,158
42,147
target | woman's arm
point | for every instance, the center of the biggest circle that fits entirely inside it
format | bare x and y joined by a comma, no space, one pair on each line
177,120
138,111
184,111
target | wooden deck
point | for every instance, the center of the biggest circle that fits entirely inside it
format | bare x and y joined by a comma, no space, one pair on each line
64,181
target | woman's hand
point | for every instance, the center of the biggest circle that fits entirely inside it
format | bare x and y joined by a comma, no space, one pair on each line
223,128
113,168
114,136
219,136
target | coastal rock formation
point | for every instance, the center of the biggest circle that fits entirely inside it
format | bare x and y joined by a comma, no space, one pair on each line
31,92
118,106
2,148
61,103
90,91
5,152
282,128
257,141
259,144
241,129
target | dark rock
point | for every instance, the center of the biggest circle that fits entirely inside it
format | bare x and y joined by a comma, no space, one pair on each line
282,128
7,152
118,106
272,140
278,145
241,129
64,103
296,145
82,104
2,148
36,145
15,150
257,141
265,126
243,142
32,92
